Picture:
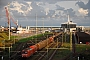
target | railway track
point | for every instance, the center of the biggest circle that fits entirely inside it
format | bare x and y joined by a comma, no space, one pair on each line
17,51
16,54
39,54
51,56
46,54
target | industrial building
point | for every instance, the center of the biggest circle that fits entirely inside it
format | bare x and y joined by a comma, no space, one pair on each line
68,26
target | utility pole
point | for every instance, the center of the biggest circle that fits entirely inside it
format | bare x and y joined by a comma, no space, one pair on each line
57,42
36,27
47,48
65,37
43,27
9,19
36,22
17,23
71,45
62,38
71,41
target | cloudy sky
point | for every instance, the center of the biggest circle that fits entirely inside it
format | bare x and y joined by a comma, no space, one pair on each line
46,12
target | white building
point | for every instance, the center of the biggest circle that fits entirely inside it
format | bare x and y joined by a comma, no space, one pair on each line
23,30
68,26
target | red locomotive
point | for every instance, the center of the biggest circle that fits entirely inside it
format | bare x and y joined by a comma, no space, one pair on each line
32,49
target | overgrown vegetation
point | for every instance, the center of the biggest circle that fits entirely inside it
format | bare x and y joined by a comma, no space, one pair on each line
3,37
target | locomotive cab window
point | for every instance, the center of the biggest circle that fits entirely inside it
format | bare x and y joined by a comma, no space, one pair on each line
30,48
24,52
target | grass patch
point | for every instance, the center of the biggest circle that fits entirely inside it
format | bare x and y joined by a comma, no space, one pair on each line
61,54
66,45
82,47
13,37
78,47
33,37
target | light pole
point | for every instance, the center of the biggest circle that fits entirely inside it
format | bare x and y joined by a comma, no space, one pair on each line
65,37
47,48
9,20
57,42
62,38
36,27
43,26
71,41
9,52
36,22
14,39
71,45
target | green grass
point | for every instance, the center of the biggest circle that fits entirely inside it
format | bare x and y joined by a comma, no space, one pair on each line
66,45
13,37
65,52
79,47
61,54
27,39
82,47
33,37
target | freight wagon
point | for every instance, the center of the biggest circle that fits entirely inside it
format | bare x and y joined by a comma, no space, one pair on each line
32,49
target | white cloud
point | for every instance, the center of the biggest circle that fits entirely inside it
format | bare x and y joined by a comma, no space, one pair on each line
47,5
53,15
68,4
49,8
47,11
39,3
29,3
83,11
57,12
18,7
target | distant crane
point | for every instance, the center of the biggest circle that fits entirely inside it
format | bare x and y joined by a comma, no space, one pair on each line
8,15
8,18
